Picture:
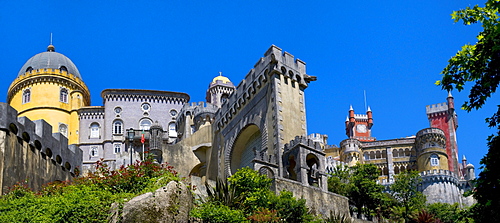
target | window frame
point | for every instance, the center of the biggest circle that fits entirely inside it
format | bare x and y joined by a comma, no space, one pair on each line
117,125
63,95
98,130
26,95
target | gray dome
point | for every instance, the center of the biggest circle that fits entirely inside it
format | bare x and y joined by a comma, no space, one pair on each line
50,59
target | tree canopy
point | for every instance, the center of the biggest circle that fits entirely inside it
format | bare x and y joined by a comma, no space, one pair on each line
480,63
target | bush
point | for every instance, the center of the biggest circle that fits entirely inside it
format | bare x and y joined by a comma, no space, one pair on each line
218,213
88,199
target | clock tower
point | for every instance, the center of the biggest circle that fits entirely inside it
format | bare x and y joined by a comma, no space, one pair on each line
358,126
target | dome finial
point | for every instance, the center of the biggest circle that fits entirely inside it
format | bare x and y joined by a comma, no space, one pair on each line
51,47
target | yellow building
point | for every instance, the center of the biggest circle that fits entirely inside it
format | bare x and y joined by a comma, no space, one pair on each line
49,87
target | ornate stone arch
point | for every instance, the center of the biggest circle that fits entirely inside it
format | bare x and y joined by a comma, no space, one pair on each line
243,150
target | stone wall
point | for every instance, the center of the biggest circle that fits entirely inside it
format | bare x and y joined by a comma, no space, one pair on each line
30,152
319,202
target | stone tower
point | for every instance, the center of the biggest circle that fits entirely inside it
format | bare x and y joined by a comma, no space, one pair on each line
49,87
265,112
219,90
430,146
351,151
358,126
443,116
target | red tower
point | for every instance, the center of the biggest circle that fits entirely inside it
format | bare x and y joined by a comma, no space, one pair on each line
443,116
358,126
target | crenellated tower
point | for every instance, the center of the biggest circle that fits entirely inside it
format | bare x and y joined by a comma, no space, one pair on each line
358,126
443,116
351,151
219,90
430,144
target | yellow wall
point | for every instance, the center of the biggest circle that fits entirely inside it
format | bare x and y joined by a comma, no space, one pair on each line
45,100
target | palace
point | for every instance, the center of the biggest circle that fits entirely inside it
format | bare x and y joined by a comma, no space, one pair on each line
259,123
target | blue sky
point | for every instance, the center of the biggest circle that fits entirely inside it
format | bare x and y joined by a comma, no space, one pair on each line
393,50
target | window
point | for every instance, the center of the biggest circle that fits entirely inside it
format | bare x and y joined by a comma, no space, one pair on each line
173,112
172,132
118,110
117,127
63,129
93,151
118,148
434,160
63,96
145,124
145,106
63,68
94,131
26,96
29,69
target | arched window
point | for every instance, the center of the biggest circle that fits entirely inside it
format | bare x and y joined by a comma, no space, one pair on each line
26,96
29,69
434,160
63,129
63,68
117,127
172,131
63,96
145,124
95,131
93,151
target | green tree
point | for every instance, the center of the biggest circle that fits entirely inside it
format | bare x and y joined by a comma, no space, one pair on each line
365,193
480,63
404,190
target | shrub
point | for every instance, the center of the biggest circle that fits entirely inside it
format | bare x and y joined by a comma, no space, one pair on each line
218,213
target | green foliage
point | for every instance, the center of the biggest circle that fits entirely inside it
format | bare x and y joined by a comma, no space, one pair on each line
487,190
246,181
365,193
88,199
255,201
480,63
223,193
218,213
137,178
404,190
338,218
338,182
449,213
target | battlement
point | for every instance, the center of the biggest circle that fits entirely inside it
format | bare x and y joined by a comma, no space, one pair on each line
361,117
47,75
302,140
91,112
38,134
144,95
436,108
274,62
428,131
433,176
321,138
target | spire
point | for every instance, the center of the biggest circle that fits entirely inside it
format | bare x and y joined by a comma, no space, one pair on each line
369,109
464,159
350,108
449,94
51,47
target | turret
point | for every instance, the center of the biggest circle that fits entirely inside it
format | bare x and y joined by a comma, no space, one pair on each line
431,150
370,117
219,90
351,151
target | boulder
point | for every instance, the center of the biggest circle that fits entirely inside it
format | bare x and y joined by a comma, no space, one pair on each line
170,203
